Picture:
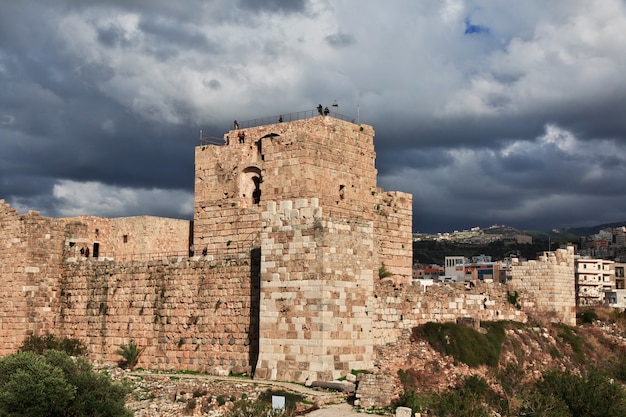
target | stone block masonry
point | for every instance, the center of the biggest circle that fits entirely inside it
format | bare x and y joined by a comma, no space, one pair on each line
289,232
551,278
321,158
316,278
30,268
198,315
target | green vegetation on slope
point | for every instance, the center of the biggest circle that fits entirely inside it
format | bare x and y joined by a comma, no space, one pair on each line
541,370
464,343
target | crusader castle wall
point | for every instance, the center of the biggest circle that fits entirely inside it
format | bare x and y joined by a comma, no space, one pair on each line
295,230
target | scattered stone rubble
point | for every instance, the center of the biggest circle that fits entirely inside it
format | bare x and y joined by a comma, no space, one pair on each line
175,395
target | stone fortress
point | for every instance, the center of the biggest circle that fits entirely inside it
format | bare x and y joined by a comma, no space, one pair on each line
279,275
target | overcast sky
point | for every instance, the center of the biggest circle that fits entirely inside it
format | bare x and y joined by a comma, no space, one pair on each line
488,112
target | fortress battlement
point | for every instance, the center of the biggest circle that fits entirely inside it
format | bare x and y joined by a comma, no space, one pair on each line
277,275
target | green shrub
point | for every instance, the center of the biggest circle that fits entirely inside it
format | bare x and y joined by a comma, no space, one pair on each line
472,398
587,316
513,298
410,399
191,404
592,394
408,378
383,272
571,337
56,385
40,344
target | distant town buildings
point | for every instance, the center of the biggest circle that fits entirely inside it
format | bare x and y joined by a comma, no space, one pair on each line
476,235
608,243
598,274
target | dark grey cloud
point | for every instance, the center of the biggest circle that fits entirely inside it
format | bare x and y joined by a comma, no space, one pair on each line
170,32
485,112
273,6
340,40
112,36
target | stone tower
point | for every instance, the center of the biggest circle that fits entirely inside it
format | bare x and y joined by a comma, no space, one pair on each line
301,198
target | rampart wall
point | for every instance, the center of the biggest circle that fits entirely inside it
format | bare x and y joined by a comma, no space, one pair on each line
400,308
30,270
295,231
196,314
551,279
126,238
392,220
306,304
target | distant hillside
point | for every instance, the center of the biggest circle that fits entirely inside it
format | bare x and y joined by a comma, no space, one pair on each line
571,233
433,252
586,231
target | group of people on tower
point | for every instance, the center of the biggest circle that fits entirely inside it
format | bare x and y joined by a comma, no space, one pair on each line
323,112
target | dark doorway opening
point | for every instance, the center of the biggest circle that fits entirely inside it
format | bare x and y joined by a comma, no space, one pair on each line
255,306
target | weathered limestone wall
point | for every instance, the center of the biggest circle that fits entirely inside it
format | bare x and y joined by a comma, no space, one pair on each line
316,279
550,279
198,315
124,238
324,158
397,309
225,218
30,270
544,287
393,228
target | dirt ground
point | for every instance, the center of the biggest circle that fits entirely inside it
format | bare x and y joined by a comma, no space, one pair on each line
335,410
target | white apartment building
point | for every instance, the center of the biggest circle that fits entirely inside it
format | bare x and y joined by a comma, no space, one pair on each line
454,268
594,278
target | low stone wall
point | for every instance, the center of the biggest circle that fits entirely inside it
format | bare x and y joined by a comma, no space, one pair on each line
397,309
374,390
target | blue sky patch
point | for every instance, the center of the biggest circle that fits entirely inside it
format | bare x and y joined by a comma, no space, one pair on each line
471,28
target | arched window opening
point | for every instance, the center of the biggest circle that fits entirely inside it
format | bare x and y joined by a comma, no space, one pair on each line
256,194
250,186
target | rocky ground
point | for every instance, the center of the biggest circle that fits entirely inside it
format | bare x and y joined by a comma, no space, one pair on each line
174,395
534,347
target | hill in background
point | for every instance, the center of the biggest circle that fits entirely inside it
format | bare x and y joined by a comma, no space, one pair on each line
571,233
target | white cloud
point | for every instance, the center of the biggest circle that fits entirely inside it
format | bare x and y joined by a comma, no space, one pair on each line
73,198
574,58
